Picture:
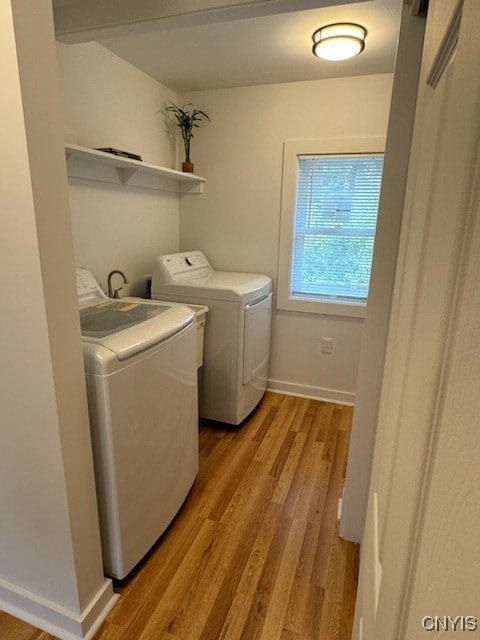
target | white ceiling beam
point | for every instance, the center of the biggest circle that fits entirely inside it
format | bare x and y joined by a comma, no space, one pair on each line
87,20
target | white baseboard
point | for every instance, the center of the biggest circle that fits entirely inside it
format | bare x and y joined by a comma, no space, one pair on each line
315,393
54,619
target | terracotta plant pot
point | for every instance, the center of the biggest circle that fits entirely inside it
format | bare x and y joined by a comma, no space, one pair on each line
187,167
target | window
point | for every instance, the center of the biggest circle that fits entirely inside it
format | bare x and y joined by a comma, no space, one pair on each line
335,219
329,214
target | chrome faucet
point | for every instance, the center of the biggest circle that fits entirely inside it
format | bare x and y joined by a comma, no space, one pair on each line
113,293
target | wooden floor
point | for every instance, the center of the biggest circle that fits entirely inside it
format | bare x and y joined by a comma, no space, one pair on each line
254,553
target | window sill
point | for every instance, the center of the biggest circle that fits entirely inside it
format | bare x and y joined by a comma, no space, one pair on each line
323,307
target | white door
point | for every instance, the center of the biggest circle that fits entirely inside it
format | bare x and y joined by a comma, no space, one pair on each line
258,319
419,550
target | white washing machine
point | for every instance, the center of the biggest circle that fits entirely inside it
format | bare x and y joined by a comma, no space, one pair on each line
141,370
237,335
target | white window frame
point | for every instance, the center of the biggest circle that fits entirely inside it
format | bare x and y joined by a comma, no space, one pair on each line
291,150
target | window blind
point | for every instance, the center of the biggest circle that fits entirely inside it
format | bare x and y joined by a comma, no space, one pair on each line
335,219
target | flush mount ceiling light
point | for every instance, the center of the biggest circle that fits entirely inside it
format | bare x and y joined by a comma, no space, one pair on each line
339,41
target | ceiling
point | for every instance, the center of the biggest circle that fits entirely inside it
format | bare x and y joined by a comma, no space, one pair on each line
237,50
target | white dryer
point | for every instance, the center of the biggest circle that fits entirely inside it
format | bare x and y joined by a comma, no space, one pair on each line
237,335
141,371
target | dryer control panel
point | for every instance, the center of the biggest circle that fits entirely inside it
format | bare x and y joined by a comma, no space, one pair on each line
181,266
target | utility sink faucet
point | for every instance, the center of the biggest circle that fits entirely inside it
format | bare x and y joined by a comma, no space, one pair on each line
113,293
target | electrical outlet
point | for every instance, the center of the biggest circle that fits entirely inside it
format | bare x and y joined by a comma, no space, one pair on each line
327,345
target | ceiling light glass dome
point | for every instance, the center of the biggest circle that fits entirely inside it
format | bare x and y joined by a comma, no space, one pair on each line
339,41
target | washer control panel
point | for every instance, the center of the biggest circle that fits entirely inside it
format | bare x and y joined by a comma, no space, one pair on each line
87,287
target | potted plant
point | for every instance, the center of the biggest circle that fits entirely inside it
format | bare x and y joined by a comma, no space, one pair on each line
188,118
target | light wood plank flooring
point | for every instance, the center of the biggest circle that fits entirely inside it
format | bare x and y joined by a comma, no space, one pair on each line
254,553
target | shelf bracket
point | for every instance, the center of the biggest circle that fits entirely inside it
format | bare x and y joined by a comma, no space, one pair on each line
191,188
127,174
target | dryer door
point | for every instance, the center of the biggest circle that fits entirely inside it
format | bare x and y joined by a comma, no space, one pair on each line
256,351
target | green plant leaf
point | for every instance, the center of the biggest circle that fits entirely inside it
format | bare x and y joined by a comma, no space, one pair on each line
187,118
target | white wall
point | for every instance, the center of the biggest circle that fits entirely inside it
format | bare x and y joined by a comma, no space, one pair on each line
50,557
109,103
236,221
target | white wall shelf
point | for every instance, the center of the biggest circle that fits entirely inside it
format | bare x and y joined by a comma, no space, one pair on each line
90,164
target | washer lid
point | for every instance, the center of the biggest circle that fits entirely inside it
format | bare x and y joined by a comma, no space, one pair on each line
131,325
219,285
